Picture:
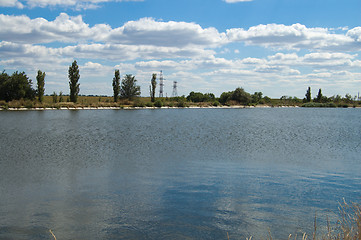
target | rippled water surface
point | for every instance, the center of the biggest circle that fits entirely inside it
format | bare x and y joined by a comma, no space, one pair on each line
175,174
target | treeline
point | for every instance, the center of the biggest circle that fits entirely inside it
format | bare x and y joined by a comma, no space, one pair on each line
18,86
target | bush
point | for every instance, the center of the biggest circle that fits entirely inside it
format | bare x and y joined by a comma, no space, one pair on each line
4,105
149,104
158,103
29,104
181,104
319,105
138,103
216,104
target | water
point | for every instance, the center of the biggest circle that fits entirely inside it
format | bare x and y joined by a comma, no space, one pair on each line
177,173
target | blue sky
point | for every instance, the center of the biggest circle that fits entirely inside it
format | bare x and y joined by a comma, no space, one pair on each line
279,47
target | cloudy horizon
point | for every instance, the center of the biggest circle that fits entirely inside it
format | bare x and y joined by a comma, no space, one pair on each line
274,47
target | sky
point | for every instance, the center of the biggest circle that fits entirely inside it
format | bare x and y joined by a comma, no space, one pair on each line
277,47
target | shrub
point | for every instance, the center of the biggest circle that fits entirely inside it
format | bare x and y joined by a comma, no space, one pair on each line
158,103
149,104
138,103
319,105
216,104
29,104
181,104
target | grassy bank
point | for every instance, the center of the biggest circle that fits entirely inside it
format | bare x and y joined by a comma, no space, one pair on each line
107,102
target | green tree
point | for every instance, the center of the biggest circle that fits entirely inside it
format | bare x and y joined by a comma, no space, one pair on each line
129,89
225,97
336,99
74,76
308,95
348,98
55,97
4,78
40,78
267,99
209,97
241,96
195,97
256,97
61,97
319,96
200,97
116,85
153,85
15,87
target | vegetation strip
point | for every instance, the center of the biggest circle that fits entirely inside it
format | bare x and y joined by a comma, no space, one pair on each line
16,92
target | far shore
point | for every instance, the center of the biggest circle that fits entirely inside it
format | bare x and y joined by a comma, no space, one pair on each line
107,103
140,108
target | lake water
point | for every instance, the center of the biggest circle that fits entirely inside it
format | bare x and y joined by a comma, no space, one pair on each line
175,173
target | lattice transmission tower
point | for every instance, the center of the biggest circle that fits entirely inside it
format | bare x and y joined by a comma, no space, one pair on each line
174,93
161,84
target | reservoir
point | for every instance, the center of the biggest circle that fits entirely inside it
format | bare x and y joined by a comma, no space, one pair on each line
176,173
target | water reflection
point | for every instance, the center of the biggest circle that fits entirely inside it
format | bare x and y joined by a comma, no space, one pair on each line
175,174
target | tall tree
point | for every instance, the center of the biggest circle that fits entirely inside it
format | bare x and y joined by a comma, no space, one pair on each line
116,85
74,76
129,89
40,78
61,97
55,97
319,96
308,95
153,83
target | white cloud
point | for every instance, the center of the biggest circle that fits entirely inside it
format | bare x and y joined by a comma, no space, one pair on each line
78,4
355,33
145,31
296,36
148,31
186,51
39,30
11,3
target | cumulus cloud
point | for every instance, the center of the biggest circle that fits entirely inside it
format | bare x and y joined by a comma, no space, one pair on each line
296,36
185,49
148,31
78,4
355,34
111,52
72,29
39,30
11,3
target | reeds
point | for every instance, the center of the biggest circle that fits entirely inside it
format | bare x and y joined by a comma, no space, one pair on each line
348,226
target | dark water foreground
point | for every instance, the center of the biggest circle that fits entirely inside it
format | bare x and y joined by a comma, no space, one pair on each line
177,173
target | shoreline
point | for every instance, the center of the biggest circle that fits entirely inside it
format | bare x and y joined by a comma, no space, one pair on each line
140,108
154,108
149,108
